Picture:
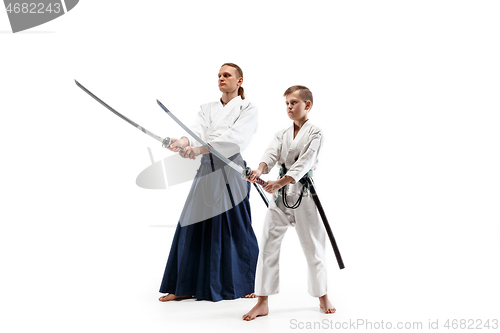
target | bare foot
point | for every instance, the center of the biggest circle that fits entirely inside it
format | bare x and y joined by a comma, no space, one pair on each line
252,295
325,305
260,309
171,297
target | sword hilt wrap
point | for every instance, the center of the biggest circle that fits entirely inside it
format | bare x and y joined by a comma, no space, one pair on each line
247,172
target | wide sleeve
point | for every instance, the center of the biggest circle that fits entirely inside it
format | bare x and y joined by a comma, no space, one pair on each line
242,130
307,158
199,127
273,152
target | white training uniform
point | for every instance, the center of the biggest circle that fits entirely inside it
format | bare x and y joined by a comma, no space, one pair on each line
299,156
233,123
229,130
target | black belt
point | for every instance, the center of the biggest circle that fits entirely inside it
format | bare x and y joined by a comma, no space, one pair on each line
303,181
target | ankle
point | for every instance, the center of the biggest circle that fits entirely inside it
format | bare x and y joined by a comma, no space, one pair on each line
263,299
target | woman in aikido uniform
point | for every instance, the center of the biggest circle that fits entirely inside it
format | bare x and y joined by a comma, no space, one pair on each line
214,251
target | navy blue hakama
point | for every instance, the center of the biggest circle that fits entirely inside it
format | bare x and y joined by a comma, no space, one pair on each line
216,258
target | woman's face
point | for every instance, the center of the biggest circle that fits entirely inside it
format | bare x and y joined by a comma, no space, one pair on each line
229,80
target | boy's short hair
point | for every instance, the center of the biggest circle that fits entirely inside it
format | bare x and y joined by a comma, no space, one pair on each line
304,93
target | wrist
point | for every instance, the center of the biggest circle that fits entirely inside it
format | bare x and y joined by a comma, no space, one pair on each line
285,180
184,142
203,150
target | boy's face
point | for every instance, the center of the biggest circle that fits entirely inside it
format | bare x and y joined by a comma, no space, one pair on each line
228,80
296,108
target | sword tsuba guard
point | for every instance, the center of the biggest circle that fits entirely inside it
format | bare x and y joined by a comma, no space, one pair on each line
246,173
166,142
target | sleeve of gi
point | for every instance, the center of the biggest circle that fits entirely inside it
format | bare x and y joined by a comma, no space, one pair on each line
307,158
273,152
199,127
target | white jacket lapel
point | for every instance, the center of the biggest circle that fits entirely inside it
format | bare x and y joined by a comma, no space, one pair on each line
297,143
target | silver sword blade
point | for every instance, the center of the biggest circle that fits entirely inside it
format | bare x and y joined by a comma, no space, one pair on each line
233,165
165,142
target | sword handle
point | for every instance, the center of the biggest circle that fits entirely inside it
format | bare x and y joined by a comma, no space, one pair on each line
248,172
260,182
167,142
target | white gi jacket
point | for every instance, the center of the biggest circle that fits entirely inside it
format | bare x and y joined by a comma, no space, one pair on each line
229,130
234,123
299,155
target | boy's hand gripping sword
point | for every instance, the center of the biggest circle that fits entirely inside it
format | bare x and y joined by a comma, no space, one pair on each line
245,172
165,142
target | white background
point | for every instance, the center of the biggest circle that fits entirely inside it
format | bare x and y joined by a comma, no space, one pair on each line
406,92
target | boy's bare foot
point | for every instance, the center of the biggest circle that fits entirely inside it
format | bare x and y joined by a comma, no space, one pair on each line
260,309
252,295
171,297
325,305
